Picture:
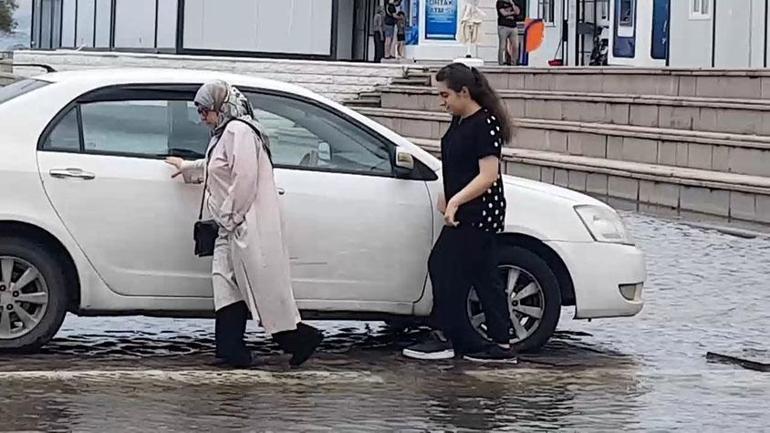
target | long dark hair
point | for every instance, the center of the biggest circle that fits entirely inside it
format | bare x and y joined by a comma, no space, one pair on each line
457,75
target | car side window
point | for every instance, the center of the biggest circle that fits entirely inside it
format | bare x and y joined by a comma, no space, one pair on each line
304,135
65,136
142,128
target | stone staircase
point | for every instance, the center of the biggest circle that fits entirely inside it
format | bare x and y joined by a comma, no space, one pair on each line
689,143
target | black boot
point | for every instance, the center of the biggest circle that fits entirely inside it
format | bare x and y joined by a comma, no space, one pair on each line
219,358
229,331
301,343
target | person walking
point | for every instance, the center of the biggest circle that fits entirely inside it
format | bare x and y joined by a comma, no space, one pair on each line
250,270
473,204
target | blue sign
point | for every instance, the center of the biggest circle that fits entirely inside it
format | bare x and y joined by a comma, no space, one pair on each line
441,19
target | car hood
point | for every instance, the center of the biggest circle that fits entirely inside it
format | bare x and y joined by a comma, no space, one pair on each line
551,190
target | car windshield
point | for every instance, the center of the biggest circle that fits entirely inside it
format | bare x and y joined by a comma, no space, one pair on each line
19,88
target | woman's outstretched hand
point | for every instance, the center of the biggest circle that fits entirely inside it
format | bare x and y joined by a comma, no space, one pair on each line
176,162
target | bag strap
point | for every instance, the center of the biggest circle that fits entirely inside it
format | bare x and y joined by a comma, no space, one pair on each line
208,157
259,135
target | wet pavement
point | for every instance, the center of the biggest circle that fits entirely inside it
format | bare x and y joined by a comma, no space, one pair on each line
707,292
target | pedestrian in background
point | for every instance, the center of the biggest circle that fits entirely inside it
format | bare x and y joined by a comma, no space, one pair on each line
378,27
507,32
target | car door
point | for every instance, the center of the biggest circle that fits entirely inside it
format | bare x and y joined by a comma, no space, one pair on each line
101,163
356,231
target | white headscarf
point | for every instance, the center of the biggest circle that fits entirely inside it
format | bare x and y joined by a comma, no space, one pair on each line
229,103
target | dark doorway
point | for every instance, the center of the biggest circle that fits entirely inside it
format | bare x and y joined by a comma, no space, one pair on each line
363,14
592,16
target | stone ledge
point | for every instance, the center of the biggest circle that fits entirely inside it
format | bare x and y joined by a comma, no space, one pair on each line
338,80
649,172
620,70
101,55
761,142
612,98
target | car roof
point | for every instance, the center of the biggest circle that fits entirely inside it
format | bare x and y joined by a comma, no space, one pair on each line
103,77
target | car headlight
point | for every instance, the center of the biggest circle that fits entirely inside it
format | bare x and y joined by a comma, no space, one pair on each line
604,224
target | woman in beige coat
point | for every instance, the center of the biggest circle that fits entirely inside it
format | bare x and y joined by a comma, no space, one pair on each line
251,261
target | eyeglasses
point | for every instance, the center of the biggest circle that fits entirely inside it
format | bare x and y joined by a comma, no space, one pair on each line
203,111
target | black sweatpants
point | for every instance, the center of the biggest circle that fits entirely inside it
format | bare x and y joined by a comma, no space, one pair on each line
462,257
379,47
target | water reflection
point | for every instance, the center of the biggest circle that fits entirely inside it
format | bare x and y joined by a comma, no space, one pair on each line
647,373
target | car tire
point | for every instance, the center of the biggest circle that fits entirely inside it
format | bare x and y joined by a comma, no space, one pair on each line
532,270
30,254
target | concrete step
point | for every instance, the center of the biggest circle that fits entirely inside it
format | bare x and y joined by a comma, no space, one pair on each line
738,116
7,78
418,81
358,102
365,99
703,195
718,152
710,83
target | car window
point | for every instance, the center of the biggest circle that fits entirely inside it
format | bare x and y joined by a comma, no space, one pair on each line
144,128
65,136
18,88
304,135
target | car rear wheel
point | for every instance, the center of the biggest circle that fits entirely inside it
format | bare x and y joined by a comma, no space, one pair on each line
33,297
533,295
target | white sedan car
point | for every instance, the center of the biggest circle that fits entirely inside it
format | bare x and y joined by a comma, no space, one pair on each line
92,223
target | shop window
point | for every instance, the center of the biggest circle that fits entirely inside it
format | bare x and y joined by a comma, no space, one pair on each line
545,10
700,9
626,13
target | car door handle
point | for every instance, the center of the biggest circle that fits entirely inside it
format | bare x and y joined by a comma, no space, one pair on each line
75,173
281,191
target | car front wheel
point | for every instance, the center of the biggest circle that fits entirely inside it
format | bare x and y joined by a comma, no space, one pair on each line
533,299
33,299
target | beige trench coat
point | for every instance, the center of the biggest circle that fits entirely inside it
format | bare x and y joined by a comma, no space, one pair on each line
251,258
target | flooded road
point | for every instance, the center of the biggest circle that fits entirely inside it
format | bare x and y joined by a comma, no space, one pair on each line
707,291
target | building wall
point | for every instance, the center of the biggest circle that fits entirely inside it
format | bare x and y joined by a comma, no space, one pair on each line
758,13
85,24
684,30
135,23
271,27
736,40
739,34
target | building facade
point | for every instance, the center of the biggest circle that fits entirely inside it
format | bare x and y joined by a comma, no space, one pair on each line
306,29
644,33
656,33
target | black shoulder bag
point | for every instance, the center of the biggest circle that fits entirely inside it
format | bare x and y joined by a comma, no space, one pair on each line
205,232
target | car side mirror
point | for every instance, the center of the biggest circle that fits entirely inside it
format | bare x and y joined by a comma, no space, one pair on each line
324,151
404,162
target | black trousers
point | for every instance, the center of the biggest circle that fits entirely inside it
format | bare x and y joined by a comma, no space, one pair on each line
379,47
465,257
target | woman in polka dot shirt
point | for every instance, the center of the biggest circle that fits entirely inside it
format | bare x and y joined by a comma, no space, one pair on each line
473,205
